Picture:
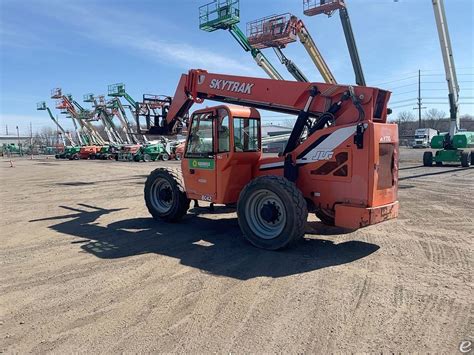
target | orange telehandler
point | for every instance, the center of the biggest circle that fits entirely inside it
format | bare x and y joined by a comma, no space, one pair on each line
341,159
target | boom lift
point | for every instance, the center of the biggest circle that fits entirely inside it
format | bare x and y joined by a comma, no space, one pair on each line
225,15
88,135
316,7
450,144
119,110
42,107
277,32
341,159
101,111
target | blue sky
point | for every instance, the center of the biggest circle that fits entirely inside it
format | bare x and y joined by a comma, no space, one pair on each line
82,46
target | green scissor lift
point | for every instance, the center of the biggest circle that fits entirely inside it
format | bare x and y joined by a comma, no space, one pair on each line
225,15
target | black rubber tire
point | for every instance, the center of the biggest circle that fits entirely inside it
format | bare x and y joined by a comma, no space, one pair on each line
180,204
472,157
427,158
75,157
326,217
165,157
136,158
465,159
177,157
92,157
147,158
116,157
295,209
439,163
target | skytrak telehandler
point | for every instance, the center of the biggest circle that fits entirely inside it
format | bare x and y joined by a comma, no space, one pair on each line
340,161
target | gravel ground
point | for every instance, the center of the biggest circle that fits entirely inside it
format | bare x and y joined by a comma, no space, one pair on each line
83,267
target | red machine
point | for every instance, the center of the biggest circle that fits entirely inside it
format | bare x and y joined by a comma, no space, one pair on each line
341,160
89,151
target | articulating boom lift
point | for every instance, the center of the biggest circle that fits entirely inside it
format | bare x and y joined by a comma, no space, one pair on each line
341,159
225,15
315,7
450,145
278,31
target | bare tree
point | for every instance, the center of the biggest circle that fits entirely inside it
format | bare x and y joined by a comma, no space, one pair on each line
405,116
434,114
433,119
405,121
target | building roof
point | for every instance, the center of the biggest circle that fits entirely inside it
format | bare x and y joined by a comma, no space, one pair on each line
274,130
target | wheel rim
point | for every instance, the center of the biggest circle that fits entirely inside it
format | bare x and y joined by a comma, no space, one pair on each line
161,195
266,214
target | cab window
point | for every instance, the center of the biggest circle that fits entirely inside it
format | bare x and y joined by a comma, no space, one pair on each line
223,131
200,139
246,135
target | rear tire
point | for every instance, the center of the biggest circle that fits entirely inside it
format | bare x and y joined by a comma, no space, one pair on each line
465,159
165,196
327,217
427,158
272,212
146,158
165,157
472,157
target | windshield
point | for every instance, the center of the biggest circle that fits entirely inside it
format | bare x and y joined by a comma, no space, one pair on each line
200,139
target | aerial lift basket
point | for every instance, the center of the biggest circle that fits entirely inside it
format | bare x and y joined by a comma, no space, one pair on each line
56,93
116,89
316,7
219,14
272,31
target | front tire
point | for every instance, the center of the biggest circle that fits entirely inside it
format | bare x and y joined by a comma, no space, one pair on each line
427,158
165,157
165,196
272,212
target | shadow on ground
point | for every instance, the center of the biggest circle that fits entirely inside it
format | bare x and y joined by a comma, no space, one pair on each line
211,245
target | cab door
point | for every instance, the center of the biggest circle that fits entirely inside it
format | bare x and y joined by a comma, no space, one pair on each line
199,163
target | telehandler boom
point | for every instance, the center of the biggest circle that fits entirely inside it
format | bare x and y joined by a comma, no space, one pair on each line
341,159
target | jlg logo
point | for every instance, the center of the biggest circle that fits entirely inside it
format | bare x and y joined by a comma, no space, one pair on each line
229,85
322,155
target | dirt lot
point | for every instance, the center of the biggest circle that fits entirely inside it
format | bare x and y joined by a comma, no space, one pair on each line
84,267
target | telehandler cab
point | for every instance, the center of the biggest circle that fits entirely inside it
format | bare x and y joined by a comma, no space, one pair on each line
341,159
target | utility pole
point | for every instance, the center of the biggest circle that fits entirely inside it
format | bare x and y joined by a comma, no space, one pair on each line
31,140
18,137
419,104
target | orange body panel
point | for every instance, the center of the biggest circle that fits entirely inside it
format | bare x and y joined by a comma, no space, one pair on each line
86,151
